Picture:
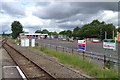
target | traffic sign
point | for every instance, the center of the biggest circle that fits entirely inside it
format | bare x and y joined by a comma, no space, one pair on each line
82,45
109,44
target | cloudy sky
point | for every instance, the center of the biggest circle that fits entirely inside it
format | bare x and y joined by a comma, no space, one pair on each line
55,16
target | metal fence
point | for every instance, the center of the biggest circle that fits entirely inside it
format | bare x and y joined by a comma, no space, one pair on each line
101,59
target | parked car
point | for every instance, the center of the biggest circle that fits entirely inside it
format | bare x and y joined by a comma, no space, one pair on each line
64,39
95,40
76,39
71,39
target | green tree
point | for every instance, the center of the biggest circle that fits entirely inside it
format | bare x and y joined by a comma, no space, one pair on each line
53,33
16,28
118,29
62,32
109,28
76,31
45,31
3,34
38,31
69,33
97,29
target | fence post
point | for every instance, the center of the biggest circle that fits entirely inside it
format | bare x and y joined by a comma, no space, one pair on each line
83,55
56,48
63,49
104,61
72,51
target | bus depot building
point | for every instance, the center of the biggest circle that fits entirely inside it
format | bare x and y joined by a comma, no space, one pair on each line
33,36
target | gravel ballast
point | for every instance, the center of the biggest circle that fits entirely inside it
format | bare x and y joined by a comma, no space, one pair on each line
49,64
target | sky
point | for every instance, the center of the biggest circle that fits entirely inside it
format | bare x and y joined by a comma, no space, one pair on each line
55,16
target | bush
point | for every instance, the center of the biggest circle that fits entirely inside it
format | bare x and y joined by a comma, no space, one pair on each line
109,64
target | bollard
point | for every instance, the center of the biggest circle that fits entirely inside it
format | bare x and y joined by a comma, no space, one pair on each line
72,51
83,55
104,61
63,49
56,48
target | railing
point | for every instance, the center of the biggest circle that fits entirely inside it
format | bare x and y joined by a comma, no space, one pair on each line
85,55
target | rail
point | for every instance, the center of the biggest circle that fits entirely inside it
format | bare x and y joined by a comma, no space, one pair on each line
53,78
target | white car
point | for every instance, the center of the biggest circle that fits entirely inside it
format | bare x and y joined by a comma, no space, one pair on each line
64,39
71,39
95,40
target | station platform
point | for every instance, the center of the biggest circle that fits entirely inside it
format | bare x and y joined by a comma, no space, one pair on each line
8,69
11,72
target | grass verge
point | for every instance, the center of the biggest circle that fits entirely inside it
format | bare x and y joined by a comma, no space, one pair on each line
15,41
88,67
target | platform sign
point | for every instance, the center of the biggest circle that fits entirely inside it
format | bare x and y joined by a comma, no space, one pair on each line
82,45
109,44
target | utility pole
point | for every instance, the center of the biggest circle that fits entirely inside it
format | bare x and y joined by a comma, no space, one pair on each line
105,35
101,33
113,34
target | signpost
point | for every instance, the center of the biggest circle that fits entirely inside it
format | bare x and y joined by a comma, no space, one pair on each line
82,45
109,44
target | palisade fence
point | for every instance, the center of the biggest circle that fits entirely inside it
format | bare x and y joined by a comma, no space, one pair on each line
84,55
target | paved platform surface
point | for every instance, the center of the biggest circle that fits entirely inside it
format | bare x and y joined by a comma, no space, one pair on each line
0,63
8,68
10,72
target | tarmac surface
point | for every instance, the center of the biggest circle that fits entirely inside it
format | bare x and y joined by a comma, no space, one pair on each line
96,48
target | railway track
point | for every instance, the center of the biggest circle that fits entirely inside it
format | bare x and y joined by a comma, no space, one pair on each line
47,58
71,69
30,69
